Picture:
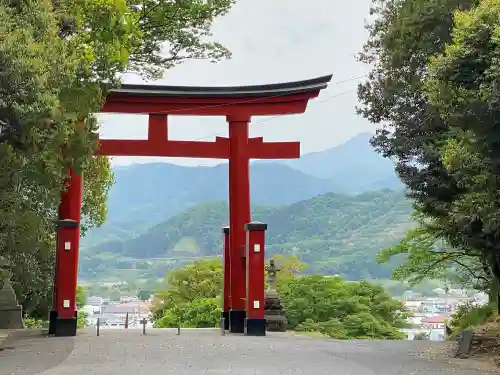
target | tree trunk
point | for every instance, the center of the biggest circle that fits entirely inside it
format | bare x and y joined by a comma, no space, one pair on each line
494,295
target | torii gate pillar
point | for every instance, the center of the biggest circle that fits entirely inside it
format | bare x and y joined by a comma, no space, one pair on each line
239,215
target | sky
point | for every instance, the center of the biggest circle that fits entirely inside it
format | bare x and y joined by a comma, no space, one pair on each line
271,41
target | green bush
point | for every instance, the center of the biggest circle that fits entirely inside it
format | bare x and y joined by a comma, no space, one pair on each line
332,328
470,316
326,305
341,310
81,319
34,323
200,313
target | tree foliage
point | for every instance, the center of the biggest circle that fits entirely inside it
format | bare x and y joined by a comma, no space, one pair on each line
98,179
185,289
144,295
462,85
328,305
81,296
58,61
433,93
289,267
342,310
429,257
469,316
175,31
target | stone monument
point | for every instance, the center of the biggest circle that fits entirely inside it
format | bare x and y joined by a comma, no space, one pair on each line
273,309
11,313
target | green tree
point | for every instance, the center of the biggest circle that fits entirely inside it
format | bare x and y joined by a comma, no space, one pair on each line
427,256
289,266
431,92
338,309
29,51
462,85
58,60
342,310
183,26
144,295
114,294
98,179
81,300
201,279
198,313
81,296
394,96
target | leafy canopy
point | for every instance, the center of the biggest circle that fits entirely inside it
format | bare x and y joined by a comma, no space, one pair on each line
432,94
329,305
58,60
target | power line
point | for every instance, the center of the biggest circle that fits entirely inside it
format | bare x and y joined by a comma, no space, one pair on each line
253,100
316,102
312,104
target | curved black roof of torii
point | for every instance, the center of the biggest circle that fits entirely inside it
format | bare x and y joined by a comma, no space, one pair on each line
275,89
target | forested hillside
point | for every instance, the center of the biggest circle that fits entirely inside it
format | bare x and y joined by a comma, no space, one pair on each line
332,233
354,166
147,194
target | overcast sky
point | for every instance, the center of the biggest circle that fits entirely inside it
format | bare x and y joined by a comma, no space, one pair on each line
273,41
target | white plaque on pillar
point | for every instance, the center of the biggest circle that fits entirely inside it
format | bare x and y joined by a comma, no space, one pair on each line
256,248
256,304
67,245
66,303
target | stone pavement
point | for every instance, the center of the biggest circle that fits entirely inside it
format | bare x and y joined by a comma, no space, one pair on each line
4,335
128,352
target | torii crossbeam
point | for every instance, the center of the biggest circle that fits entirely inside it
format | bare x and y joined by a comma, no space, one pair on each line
238,105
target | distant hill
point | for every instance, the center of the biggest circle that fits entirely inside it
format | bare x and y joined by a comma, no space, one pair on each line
147,194
354,165
334,234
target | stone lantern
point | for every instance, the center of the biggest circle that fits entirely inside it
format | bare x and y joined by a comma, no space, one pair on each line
11,313
273,309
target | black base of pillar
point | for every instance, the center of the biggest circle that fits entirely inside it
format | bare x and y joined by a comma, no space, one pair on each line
66,327
237,321
255,327
52,322
225,315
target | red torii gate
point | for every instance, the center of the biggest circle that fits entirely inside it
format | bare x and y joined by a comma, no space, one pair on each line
243,270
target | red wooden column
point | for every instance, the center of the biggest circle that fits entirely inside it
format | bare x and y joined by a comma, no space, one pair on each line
239,215
68,240
227,279
255,323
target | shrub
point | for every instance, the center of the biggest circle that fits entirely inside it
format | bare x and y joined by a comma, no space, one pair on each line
470,316
200,313
34,323
81,319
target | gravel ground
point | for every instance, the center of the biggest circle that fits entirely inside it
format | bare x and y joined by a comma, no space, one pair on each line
120,352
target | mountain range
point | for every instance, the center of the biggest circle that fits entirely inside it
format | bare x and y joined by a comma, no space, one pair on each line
332,233
147,194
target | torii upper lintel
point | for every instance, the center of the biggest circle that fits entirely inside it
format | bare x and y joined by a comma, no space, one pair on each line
259,100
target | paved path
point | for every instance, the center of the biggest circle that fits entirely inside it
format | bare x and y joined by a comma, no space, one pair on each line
120,352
